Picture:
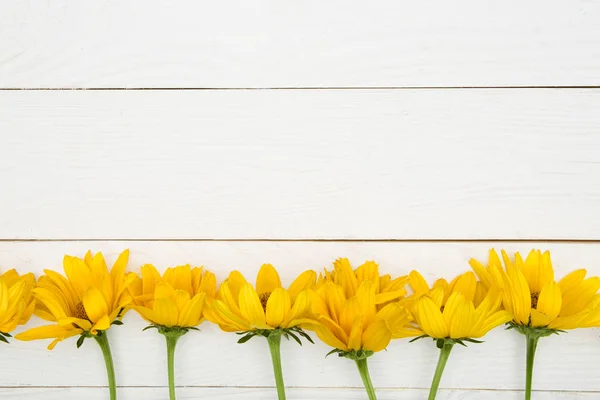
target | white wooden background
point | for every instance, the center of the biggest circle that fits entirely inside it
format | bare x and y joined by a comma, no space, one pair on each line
417,134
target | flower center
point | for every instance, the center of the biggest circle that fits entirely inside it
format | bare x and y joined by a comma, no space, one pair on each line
264,297
80,312
534,299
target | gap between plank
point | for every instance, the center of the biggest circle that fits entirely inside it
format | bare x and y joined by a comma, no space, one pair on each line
334,240
301,88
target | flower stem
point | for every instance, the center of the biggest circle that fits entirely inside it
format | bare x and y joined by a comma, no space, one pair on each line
532,342
171,342
444,354
102,340
274,340
363,368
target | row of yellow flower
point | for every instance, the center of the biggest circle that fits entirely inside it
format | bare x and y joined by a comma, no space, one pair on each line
355,311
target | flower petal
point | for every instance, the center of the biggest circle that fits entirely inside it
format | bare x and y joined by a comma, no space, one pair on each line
251,308
430,318
94,304
376,337
267,279
278,307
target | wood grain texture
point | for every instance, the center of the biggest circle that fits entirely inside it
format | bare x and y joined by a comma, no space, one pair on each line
269,393
378,164
212,358
191,43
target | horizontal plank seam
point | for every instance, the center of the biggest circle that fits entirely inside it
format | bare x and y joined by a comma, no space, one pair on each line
332,240
297,387
300,88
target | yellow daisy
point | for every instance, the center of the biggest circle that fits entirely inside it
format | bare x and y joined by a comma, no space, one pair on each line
541,306
16,301
173,304
86,302
266,310
358,313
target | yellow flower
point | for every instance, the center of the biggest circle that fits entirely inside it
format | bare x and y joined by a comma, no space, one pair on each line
386,289
536,300
86,301
239,307
359,309
176,299
457,310
16,300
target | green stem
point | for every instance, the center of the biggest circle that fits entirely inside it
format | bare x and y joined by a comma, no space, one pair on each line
532,342
444,354
102,340
171,343
363,368
274,340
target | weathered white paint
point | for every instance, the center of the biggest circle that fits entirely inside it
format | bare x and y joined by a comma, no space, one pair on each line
376,164
269,43
212,358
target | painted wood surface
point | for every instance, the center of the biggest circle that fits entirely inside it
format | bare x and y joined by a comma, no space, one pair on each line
267,393
375,164
267,43
211,360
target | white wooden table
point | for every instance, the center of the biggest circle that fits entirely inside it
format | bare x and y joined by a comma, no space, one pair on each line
232,133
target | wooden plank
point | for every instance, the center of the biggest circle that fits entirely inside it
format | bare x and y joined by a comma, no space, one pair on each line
150,43
381,164
266,393
212,358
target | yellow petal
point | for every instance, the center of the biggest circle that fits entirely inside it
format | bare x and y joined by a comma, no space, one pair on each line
103,324
146,313
546,272
191,314
354,339
430,319
462,323
369,271
208,284
94,304
150,276
539,319
182,278
531,270
278,307
329,338
579,297
494,320
351,310
251,307
345,276
418,283
166,312
164,290
46,332
267,279
571,280
376,337
181,298
466,284
53,303
300,309
550,300
234,321
305,280
335,299
520,296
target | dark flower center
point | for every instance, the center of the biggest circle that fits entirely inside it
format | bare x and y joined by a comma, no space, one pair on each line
534,299
264,297
80,312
